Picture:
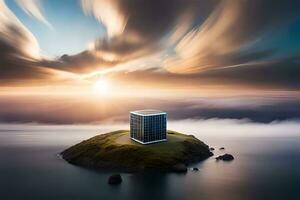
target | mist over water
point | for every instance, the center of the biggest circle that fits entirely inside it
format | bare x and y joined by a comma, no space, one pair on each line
266,163
263,107
237,128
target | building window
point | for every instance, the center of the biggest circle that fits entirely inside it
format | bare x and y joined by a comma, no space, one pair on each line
147,126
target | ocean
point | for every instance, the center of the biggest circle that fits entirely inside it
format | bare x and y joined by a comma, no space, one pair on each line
266,165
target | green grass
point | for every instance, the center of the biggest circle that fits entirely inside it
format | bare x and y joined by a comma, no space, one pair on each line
116,151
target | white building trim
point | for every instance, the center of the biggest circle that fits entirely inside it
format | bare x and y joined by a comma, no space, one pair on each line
156,141
154,112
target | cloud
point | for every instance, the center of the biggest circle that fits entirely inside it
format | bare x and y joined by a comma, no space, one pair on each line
232,28
201,42
281,74
206,129
136,29
82,109
108,13
18,47
197,37
83,62
20,56
34,9
142,20
14,33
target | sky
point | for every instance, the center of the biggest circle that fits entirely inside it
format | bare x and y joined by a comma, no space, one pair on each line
193,58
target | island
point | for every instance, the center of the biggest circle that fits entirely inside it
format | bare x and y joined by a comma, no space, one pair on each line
117,152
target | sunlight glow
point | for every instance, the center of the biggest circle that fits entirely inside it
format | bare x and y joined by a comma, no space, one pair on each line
101,87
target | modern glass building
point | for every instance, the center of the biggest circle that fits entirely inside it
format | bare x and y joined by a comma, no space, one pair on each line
148,126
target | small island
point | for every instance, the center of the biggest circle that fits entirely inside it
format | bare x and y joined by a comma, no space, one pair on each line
115,151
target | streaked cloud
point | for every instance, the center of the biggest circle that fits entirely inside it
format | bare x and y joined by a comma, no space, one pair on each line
211,39
18,48
108,13
133,30
230,31
220,42
20,54
15,36
34,9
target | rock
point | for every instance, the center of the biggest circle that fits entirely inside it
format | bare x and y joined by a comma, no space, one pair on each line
225,157
114,179
195,169
222,148
211,148
179,168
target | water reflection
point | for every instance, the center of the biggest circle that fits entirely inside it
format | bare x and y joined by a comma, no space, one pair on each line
148,186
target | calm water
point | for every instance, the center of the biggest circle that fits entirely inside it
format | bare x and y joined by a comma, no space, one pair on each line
265,168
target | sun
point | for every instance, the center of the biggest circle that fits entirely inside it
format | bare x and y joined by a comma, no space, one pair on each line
101,87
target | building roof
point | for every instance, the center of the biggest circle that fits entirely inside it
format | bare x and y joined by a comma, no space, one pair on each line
148,112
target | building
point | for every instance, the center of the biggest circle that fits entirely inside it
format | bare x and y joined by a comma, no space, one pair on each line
148,126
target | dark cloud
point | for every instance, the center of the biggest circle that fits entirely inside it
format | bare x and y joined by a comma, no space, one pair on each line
282,73
273,74
234,28
147,23
15,66
83,62
153,18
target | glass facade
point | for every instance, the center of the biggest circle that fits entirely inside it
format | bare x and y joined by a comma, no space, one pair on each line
148,128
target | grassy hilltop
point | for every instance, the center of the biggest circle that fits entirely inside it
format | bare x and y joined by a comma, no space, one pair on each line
116,151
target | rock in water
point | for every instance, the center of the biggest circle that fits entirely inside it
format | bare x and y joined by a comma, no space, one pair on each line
222,148
211,148
114,179
195,169
179,168
225,157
